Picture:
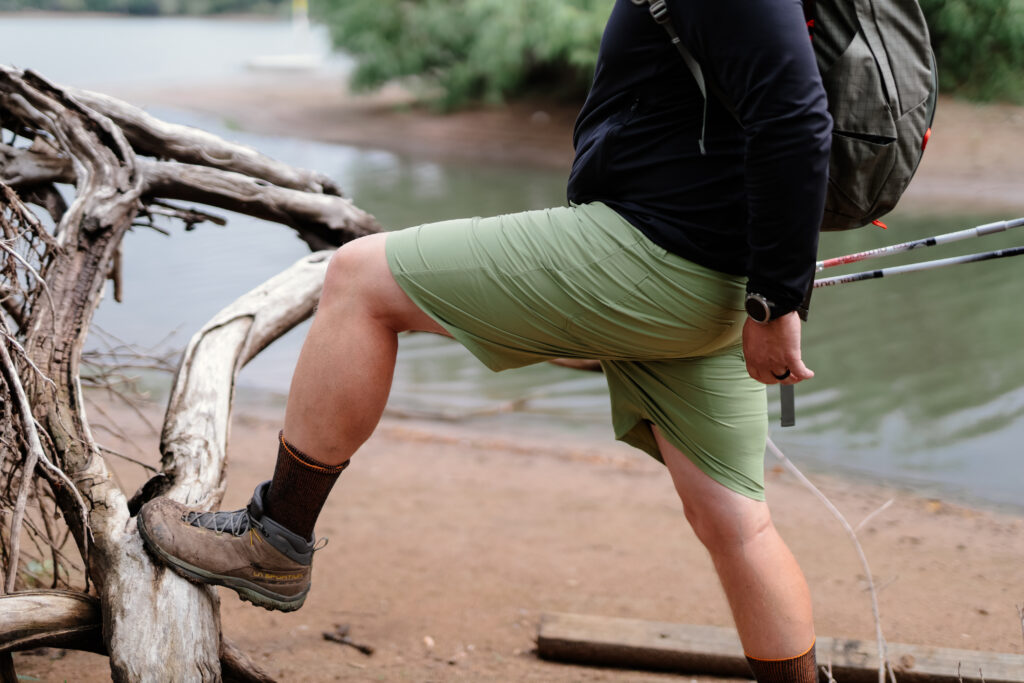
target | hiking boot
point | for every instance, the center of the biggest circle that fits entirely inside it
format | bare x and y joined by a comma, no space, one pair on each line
243,550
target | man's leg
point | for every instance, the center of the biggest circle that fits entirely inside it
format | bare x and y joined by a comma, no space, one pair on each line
342,379
343,376
766,590
264,551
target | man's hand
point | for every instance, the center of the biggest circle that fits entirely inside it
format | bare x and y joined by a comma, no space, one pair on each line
772,350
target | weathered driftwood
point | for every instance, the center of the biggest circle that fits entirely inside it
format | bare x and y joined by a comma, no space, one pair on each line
194,448
34,447
685,648
194,165
237,667
89,232
70,620
150,136
318,218
195,433
21,168
65,619
156,626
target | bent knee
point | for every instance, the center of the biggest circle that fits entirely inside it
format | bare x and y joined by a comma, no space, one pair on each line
356,264
359,281
358,276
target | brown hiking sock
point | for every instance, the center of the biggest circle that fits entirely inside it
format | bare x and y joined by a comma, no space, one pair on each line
299,488
801,669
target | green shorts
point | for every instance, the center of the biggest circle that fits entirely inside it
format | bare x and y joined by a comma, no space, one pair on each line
581,282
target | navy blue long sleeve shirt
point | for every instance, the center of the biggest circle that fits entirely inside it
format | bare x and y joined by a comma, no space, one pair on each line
752,205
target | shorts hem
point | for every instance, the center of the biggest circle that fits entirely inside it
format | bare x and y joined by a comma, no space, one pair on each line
639,435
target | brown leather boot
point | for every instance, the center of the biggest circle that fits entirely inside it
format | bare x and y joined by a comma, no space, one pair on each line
243,550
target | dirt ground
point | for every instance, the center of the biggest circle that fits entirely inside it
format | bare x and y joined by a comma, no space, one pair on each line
446,546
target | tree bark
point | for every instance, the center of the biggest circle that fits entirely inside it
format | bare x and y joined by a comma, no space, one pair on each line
323,221
31,619
150,136
318,218
69,620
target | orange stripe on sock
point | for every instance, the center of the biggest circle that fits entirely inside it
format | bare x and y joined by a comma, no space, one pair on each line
309,462
785,659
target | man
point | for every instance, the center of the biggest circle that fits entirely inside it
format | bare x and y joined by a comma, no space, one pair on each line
649,270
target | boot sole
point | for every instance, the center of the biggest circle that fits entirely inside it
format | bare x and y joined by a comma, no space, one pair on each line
247,591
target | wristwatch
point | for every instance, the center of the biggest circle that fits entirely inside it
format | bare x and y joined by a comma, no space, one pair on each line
759,308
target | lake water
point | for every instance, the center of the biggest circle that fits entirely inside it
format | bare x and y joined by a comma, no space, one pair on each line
920,378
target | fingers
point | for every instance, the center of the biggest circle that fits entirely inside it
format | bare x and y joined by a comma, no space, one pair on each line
798,372
772,351
779,369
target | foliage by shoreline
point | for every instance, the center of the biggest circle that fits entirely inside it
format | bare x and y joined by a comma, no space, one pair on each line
463,52
467,51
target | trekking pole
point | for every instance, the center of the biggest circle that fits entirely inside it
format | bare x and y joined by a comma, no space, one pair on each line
979,231
786,393
914,267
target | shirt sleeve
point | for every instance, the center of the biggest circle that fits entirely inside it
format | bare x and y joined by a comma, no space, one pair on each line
758,56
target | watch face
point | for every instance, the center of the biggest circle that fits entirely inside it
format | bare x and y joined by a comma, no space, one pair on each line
757,308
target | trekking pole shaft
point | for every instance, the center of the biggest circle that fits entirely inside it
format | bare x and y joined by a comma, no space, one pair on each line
979,231
914,267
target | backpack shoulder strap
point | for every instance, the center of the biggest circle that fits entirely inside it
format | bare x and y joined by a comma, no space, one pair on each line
659,11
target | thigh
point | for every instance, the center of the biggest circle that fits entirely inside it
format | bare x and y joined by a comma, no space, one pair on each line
508,286
576,282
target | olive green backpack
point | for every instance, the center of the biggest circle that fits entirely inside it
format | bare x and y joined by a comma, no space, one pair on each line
878,69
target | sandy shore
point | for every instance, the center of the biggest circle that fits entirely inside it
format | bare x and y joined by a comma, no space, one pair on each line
446,546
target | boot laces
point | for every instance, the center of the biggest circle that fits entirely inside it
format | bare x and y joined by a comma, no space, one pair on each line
235,523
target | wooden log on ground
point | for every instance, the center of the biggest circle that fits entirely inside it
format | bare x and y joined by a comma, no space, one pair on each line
686,648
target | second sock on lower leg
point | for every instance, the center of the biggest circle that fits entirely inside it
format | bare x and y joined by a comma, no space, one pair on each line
800,669
299,488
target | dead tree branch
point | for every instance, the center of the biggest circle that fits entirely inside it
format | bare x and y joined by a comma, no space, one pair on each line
150,136
155,625
67,619
35,449
195,433
70,620
318,218
322,220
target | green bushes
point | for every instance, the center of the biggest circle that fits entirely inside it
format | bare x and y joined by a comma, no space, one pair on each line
979,45
471,50
485,50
